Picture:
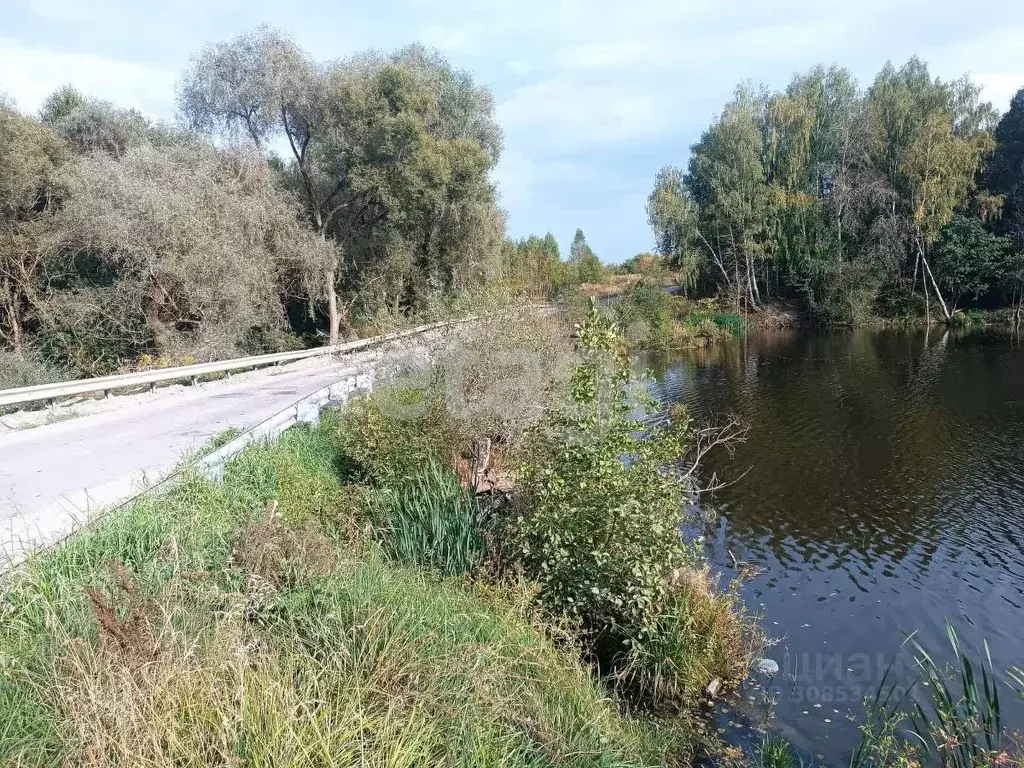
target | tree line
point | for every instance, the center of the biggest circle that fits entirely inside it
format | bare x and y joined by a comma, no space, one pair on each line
903,199
292,199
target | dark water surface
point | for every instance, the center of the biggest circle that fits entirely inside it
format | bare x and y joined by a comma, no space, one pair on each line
885,492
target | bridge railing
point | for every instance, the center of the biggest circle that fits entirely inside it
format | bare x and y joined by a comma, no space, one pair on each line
107,384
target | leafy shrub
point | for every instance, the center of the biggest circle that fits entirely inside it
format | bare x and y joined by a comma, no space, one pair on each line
490,381
600,531
970,317
392,432
498,375
432,522
600,525
26,371
700,634
646,313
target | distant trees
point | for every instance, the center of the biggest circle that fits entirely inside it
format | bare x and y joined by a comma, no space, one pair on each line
830,194
533,265
583,261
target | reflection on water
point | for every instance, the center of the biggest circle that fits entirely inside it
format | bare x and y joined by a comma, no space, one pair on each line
885,491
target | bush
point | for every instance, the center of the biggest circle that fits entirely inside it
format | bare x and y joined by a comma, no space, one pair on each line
600,531
26,371
647,315
392,432
490,382
499,374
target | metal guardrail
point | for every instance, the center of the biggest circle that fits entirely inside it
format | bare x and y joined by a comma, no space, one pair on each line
106,384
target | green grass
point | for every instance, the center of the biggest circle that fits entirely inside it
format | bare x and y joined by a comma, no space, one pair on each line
950,716
211,656
775,752
432,522
727,321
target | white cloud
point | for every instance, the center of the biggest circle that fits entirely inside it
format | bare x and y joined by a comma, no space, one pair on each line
594,95
30,73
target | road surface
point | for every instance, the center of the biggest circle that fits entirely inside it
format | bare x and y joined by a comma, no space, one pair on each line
57,476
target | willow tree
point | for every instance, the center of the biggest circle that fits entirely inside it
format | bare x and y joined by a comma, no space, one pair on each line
93,125
673,216
31,159
178,251
726,179
419,142
261,85
391,156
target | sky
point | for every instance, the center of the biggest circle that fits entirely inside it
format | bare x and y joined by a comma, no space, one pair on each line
594,96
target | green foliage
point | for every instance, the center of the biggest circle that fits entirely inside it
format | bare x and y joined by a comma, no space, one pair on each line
532,266
647,315
655,319
775,752
392,433
93,125
837,196
970,260
587,268
954,719
604,490
390,155
600,528
961,723
1005,175
432,522
357,661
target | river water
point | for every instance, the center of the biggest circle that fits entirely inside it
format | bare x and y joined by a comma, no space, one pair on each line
884,492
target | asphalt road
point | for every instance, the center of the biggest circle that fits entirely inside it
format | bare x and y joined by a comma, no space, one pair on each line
56,476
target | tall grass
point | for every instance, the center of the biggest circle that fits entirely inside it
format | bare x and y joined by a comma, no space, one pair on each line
191,654
954,719
432,522
961,724
727,321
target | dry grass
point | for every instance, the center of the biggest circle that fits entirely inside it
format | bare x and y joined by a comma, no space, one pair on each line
273,551
703,635
229,637
614,286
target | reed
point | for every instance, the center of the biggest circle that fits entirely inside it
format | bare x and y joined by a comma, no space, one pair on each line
431,521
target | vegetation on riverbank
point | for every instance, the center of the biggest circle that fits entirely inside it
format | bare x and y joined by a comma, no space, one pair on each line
905,199
346,597
948,716
653,318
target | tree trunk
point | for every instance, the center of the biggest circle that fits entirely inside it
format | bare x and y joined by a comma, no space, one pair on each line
13,317
935,285
16,329
334,316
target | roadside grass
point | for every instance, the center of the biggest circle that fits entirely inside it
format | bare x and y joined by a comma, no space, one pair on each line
252,623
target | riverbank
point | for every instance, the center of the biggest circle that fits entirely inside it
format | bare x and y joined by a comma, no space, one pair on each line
373,591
